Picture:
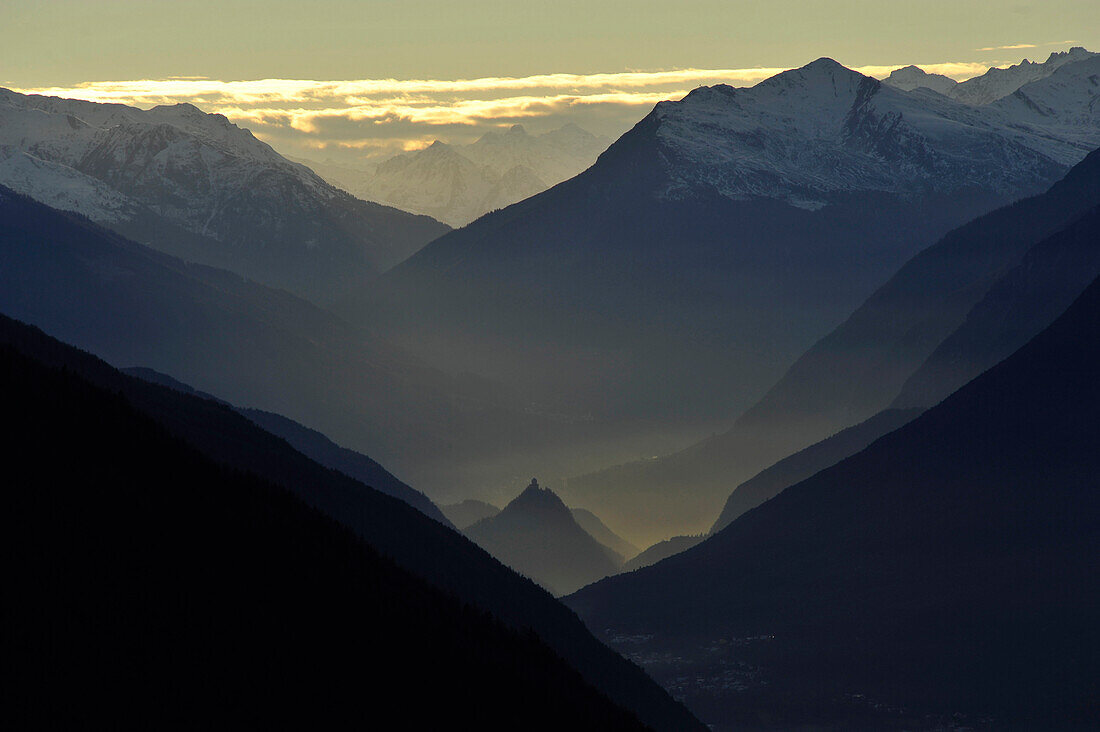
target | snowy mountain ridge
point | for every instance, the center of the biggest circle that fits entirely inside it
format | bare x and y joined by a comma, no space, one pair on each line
822,130
994,84
224,197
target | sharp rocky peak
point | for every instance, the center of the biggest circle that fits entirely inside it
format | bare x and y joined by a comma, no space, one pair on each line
824,72
1075,53
538,498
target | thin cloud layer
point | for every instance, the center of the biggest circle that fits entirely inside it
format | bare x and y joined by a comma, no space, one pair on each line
1008,48
368,118
1019,46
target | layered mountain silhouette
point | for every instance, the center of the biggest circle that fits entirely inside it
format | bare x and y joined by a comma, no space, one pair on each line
795,468
260,348
206,432
947,571
459,183
860,368
537,535
675,280
316,447
197,186
598,530
1019,305
662,550
154,586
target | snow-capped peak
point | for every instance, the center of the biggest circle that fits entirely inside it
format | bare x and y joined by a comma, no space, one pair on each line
909,78
811,133
174,169
999,83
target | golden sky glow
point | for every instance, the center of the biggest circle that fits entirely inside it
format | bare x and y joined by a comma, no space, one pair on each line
370,117
361,78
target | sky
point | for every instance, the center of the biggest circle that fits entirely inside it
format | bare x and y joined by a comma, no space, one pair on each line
356,81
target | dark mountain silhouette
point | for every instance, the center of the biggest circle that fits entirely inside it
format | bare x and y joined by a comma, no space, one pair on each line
152,586
196,186
536,535
1022,302
950,568
859,369
808,461
599,531
417,544
259,348
662,550
316,447
467,513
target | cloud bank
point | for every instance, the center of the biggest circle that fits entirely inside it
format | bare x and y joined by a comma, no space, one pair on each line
359,119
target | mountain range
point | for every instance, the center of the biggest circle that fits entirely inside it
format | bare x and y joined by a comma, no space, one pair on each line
457,184
197,186
628,311
880,299
994,84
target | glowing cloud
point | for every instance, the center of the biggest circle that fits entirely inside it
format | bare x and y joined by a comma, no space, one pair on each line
1013,47
373,117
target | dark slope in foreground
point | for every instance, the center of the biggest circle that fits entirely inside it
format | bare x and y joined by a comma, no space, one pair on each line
316,447
859,369
394,529
154,587
662,550
952,566
804,463
1023,302
536,535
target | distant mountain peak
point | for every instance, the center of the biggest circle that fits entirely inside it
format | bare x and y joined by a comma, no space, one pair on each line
535,497
913,77
537,535
821,78
826,64
458,183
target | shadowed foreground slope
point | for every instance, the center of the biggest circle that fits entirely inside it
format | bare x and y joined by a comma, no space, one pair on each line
316,447
154,587
951,566
416,543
